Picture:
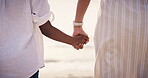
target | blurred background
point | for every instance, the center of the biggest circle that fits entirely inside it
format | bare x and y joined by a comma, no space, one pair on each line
62,60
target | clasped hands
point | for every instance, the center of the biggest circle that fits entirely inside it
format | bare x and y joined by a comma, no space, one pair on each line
80,42
79,32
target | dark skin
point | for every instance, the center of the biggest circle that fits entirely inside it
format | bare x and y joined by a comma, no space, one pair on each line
51,32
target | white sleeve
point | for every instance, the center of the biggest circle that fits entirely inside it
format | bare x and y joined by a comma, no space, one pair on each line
40,12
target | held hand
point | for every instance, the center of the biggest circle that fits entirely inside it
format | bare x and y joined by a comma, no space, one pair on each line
78,30
79,41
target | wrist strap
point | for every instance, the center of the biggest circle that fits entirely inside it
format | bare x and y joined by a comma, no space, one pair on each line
77,23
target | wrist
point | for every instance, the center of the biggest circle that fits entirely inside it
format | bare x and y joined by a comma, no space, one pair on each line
78,28
71,41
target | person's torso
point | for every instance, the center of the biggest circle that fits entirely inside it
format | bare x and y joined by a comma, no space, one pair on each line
18,40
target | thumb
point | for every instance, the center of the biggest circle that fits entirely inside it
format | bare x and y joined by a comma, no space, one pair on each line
85,37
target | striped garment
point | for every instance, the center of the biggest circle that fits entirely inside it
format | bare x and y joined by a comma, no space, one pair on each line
121,39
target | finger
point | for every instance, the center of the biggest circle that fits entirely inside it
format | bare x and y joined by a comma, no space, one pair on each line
76,47
81,46
87,40
84,37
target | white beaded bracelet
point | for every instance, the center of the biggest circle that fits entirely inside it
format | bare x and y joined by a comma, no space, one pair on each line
77,24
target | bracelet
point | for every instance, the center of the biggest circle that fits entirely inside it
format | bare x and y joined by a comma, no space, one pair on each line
77,23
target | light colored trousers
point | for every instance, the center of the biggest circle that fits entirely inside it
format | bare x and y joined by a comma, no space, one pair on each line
121,39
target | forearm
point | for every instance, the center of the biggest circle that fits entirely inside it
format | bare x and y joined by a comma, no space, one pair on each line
81,9
51,32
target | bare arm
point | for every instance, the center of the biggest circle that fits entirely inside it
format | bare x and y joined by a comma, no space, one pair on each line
51,32
82,6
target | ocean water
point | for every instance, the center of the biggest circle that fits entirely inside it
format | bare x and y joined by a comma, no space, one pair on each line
62,60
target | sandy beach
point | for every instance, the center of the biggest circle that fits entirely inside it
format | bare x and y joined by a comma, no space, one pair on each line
62,60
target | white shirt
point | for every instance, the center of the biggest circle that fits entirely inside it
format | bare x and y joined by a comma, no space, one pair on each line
21,44
121,39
